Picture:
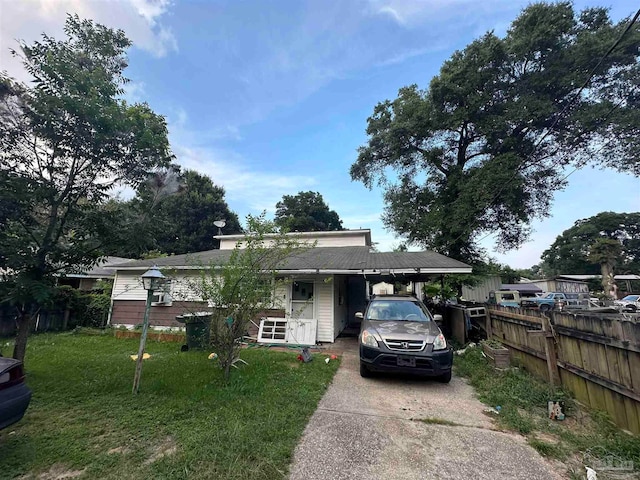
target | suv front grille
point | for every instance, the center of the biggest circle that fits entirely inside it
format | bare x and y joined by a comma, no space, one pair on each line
405,345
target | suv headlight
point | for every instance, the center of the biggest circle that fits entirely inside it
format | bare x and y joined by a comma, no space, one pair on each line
369,339
439,343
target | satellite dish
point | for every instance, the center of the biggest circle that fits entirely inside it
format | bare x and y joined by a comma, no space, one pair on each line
220,224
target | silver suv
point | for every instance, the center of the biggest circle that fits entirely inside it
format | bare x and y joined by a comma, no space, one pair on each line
399,334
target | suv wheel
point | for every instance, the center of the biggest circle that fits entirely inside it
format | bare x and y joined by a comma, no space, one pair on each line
445,377
364,370
545,308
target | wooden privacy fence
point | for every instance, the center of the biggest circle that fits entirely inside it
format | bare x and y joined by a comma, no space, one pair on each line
595,357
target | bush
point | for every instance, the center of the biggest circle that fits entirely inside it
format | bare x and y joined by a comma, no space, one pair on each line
86,309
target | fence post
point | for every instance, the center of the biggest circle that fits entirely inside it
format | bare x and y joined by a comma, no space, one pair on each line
550,351
487,324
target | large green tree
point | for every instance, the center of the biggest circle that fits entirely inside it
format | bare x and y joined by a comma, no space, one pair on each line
597,245
66,140
184,222
306,212
482,150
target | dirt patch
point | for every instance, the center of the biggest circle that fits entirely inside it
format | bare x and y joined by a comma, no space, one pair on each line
166,448
547,437
293,364
56,472
121,450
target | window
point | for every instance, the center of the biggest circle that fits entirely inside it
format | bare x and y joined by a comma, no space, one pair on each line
397,310
265,288
302,301
273,330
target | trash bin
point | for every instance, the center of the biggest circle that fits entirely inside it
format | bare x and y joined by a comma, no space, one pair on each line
197,329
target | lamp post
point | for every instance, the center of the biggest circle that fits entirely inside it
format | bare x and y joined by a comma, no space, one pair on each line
152,279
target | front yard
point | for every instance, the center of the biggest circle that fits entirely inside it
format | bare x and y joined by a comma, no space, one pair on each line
84,422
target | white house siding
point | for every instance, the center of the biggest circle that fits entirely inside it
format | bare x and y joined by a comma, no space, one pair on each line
326,239
127,285
324,309
340,310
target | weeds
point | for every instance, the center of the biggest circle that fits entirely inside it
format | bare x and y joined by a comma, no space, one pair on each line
547,449
523,408
439,421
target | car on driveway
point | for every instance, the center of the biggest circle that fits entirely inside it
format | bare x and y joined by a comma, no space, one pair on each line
629,303
399,334
14,393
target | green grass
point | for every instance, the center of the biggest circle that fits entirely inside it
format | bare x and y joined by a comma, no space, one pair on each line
523,401
82,408
439,421
548,449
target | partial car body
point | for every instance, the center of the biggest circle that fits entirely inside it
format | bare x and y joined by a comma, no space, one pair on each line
14,393
399,334
629,303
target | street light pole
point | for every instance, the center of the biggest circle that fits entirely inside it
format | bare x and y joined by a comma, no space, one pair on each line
150,280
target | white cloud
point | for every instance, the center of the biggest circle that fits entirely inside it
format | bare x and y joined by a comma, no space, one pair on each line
135,92
26,20
257,188
414,13
408,13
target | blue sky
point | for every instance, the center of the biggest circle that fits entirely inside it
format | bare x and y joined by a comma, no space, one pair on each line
271,98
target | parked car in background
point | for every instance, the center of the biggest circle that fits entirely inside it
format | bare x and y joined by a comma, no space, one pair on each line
399,334
14,393
505,298
630,303
555,300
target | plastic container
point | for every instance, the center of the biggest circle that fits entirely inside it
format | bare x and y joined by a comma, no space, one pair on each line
197,327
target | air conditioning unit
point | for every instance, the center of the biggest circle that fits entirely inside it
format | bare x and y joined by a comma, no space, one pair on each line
162,298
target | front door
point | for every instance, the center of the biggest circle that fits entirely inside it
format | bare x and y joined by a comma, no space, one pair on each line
302,322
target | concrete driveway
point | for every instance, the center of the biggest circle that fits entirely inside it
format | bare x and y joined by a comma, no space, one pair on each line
370,429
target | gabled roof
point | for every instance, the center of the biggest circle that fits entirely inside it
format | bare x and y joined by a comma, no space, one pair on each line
358,259
521,287
102,269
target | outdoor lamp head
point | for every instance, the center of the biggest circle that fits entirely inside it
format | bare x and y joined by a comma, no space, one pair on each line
152,278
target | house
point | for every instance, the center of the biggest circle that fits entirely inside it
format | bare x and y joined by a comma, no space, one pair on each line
87,280
329,284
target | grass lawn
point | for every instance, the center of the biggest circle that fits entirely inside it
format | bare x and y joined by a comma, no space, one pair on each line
185,423
523,398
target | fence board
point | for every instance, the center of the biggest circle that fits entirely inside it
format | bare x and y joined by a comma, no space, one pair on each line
598,356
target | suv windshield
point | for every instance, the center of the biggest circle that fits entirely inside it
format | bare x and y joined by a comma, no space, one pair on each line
397,310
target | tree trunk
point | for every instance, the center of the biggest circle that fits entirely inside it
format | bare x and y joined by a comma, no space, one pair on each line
608,282
25,324
65,319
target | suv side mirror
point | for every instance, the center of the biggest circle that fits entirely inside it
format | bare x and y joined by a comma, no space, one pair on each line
359,315
437,318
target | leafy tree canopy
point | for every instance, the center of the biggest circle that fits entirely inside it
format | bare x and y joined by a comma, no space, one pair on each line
65,141
306,212
183,222
482,150
590,242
